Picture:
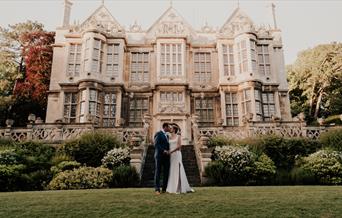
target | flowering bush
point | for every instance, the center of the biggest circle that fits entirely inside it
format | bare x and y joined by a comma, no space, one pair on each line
8,157
116,157
232,165
326,165
233,157
82,178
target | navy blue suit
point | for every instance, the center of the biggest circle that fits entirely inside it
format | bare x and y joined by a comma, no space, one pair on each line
162,160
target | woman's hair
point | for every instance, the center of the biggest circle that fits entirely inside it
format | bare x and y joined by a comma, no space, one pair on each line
176,128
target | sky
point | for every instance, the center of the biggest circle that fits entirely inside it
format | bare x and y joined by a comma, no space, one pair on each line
304,23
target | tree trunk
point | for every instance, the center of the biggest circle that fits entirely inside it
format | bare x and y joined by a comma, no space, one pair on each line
318,104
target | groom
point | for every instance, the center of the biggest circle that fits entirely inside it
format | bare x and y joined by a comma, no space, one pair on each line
161,157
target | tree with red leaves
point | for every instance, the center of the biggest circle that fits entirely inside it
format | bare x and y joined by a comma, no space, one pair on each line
37,53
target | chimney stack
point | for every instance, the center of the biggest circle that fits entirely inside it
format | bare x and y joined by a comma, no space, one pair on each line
67,12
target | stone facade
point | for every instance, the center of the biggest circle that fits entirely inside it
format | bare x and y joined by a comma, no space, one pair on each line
116,77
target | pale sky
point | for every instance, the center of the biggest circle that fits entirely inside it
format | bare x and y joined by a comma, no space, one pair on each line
304,23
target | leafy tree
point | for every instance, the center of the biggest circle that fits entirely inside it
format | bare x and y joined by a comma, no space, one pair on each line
315,81
25,64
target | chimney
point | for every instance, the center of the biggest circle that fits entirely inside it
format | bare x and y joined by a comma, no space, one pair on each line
67,12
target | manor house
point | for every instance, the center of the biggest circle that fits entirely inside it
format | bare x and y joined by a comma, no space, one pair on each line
118,77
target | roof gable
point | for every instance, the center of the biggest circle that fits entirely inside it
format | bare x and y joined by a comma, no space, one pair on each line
239,21
171,23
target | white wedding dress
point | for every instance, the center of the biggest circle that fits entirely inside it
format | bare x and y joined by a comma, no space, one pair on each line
177,182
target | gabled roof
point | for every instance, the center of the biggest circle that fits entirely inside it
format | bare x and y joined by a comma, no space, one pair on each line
102,16
237,19
171,22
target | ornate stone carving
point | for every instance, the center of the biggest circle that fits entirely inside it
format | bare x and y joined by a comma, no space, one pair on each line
171,107
135,27
171,28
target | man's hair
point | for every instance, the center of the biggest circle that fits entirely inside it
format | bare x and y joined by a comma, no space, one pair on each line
165,125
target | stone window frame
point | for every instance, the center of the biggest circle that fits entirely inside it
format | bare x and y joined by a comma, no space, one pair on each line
74,63
171,96
209,121
242,56
253,50
97,56
258,105
72,103
232,103
246,101
114,63
166,78
267,104
112,104
137,111
264,59
228,59
82,101
144,74
206,69
96,101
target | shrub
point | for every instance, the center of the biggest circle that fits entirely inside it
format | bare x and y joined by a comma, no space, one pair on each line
334,119
10,177
232,165
90,148
326,165
332,139
125,176
65,165
300,176
7,143
60,157
82,178
8,157
116,157
218,141
35,155
262,170
284,151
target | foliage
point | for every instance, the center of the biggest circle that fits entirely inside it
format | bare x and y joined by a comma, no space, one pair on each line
332,139
218,141
262,170
232,165
315,81
35,155
8,157
125,176
285,151
333,120
116,157
10,177
6,143
326,165
13,70
82,178
65,165
91,147
59,157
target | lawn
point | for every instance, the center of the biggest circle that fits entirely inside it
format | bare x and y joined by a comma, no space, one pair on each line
281,201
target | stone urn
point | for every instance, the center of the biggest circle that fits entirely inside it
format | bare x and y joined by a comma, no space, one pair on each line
9,123
320,121
135,141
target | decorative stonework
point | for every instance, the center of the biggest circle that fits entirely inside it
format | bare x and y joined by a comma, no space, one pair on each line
172,107
102,21
239,22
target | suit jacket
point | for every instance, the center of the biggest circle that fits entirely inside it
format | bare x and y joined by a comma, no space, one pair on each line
161,143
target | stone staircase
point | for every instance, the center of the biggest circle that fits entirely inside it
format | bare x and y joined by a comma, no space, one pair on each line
189,162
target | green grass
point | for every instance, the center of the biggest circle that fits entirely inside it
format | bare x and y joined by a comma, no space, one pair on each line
280,201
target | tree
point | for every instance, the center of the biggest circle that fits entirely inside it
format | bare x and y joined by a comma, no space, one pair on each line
25,63
315,80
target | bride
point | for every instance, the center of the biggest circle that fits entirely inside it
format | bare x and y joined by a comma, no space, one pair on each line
177,182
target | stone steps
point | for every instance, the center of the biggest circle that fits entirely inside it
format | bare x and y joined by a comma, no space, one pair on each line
189,162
